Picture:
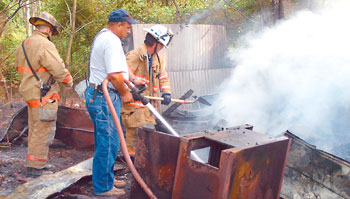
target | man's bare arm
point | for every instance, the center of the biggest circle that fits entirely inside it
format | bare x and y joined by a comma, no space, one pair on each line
117,80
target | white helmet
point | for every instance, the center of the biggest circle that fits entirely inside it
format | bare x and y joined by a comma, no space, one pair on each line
161,33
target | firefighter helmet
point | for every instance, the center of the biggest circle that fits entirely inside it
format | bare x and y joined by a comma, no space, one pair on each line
161,34
45,19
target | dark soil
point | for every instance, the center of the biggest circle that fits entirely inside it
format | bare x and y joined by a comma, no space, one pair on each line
61,156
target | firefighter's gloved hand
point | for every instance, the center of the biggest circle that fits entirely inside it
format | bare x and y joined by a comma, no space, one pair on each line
167,98
141,88
136,93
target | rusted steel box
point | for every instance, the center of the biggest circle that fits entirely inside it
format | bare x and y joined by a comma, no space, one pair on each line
155,160
235,163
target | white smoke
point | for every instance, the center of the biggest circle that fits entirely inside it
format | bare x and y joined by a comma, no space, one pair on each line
205,12
294,76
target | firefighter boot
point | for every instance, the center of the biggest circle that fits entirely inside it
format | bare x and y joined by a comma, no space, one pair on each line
33,172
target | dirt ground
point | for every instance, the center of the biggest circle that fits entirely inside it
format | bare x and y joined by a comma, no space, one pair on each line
61,156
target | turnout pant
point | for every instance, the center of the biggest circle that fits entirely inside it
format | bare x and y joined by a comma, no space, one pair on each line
40,136
131,140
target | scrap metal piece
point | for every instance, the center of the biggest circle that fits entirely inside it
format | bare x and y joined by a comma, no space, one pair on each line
312,173
201,100
239,163
176,105
46,185
156,157
73,127
18,124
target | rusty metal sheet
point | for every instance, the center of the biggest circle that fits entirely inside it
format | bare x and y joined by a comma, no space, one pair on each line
235,168
73,127
155,160
313,173
46,185
18,124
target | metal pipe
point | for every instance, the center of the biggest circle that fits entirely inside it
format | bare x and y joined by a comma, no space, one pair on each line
123,143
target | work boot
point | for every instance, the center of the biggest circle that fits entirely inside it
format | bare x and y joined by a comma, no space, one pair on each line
49,166
33,172
113,192
119,183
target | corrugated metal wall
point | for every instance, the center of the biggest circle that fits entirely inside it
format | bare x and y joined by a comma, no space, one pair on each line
194,57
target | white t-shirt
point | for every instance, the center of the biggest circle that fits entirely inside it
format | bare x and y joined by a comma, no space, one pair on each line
107,56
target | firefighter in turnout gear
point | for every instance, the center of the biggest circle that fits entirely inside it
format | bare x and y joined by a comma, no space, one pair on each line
148,68
40,69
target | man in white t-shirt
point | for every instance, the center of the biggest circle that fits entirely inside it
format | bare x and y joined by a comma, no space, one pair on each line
107,60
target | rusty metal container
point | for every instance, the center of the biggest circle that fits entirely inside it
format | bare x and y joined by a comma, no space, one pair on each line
236,163
155,160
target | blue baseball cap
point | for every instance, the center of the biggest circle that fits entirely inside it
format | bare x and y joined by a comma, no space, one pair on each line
121,15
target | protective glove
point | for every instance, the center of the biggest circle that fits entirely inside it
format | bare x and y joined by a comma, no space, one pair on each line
136,96
167,98
136,93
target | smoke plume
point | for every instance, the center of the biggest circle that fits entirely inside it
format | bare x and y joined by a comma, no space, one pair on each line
295,76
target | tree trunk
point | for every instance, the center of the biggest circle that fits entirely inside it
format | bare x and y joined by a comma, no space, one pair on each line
177,16
4,23
3,81
71,36
5,19
26,13
35,10
69,50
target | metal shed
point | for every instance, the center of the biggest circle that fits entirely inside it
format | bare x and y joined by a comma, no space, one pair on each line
194,59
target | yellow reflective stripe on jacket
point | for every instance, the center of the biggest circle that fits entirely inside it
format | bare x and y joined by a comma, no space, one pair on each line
163,76
165,88
155,89
142,78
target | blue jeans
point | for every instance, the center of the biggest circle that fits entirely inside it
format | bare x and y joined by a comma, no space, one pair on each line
106,139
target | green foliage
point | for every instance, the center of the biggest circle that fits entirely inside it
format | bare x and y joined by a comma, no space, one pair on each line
13,35
92,16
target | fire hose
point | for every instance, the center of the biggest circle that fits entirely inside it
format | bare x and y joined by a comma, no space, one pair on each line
123,143
136,92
